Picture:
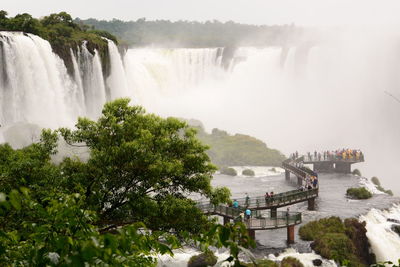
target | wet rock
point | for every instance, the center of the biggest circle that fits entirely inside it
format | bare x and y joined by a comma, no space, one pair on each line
396,228
317,262
202,260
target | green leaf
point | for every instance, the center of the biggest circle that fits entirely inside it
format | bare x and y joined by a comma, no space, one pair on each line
15,199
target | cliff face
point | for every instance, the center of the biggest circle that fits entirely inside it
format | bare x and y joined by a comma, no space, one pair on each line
356,231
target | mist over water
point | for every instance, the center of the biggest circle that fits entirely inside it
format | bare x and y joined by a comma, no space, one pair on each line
317,95
328,95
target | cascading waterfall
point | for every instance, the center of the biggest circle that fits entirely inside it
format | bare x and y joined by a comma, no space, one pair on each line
80,94
116,82
93,81
155,74
34,83
385,242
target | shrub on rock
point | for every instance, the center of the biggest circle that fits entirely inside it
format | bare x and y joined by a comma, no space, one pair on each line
228,171
203,260
291,262
358,193
248,172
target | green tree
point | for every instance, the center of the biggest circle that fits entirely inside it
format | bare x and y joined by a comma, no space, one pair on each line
141,166
60,232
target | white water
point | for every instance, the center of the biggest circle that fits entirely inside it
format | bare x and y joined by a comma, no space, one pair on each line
305,258
157,76
384,241
117,82
91,74
259,171
34,85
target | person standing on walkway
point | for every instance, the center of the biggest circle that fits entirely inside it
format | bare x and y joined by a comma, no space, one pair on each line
235,204
266,198
248,214
287,215
247,200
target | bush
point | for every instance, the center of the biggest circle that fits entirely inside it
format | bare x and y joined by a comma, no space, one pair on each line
248,172
272,169
202,260
358,193
336,246
228,171
291,262
345,242
312,230
356,172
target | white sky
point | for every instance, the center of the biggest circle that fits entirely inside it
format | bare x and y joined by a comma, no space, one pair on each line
301,12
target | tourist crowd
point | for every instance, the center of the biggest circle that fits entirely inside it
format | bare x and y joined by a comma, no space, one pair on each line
339,154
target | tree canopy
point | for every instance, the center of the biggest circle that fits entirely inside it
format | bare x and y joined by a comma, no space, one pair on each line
214,33
62,33
140,167
96,212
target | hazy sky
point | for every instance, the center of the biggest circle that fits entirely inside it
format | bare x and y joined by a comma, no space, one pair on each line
301,12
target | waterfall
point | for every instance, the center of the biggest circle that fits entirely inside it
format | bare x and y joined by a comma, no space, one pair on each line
34,82
80,93
93,81
154,74
117,82
385,242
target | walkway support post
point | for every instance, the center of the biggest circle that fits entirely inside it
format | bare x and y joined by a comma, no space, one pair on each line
299,181
290,234
287,175
311,204
273,212
343,167
226,220
252,233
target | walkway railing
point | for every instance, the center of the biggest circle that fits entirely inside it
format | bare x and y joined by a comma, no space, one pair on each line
209,208
283,219
332,158
260,202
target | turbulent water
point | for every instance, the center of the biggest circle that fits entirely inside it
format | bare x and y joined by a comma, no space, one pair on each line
332,201
330,94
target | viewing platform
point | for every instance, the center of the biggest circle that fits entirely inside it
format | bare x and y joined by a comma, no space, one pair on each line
333,163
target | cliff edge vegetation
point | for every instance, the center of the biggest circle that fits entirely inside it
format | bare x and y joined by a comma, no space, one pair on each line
62,33
238,149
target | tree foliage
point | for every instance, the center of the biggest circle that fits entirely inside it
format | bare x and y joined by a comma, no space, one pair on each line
62,33
141,168
139,160
239,149
214,33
